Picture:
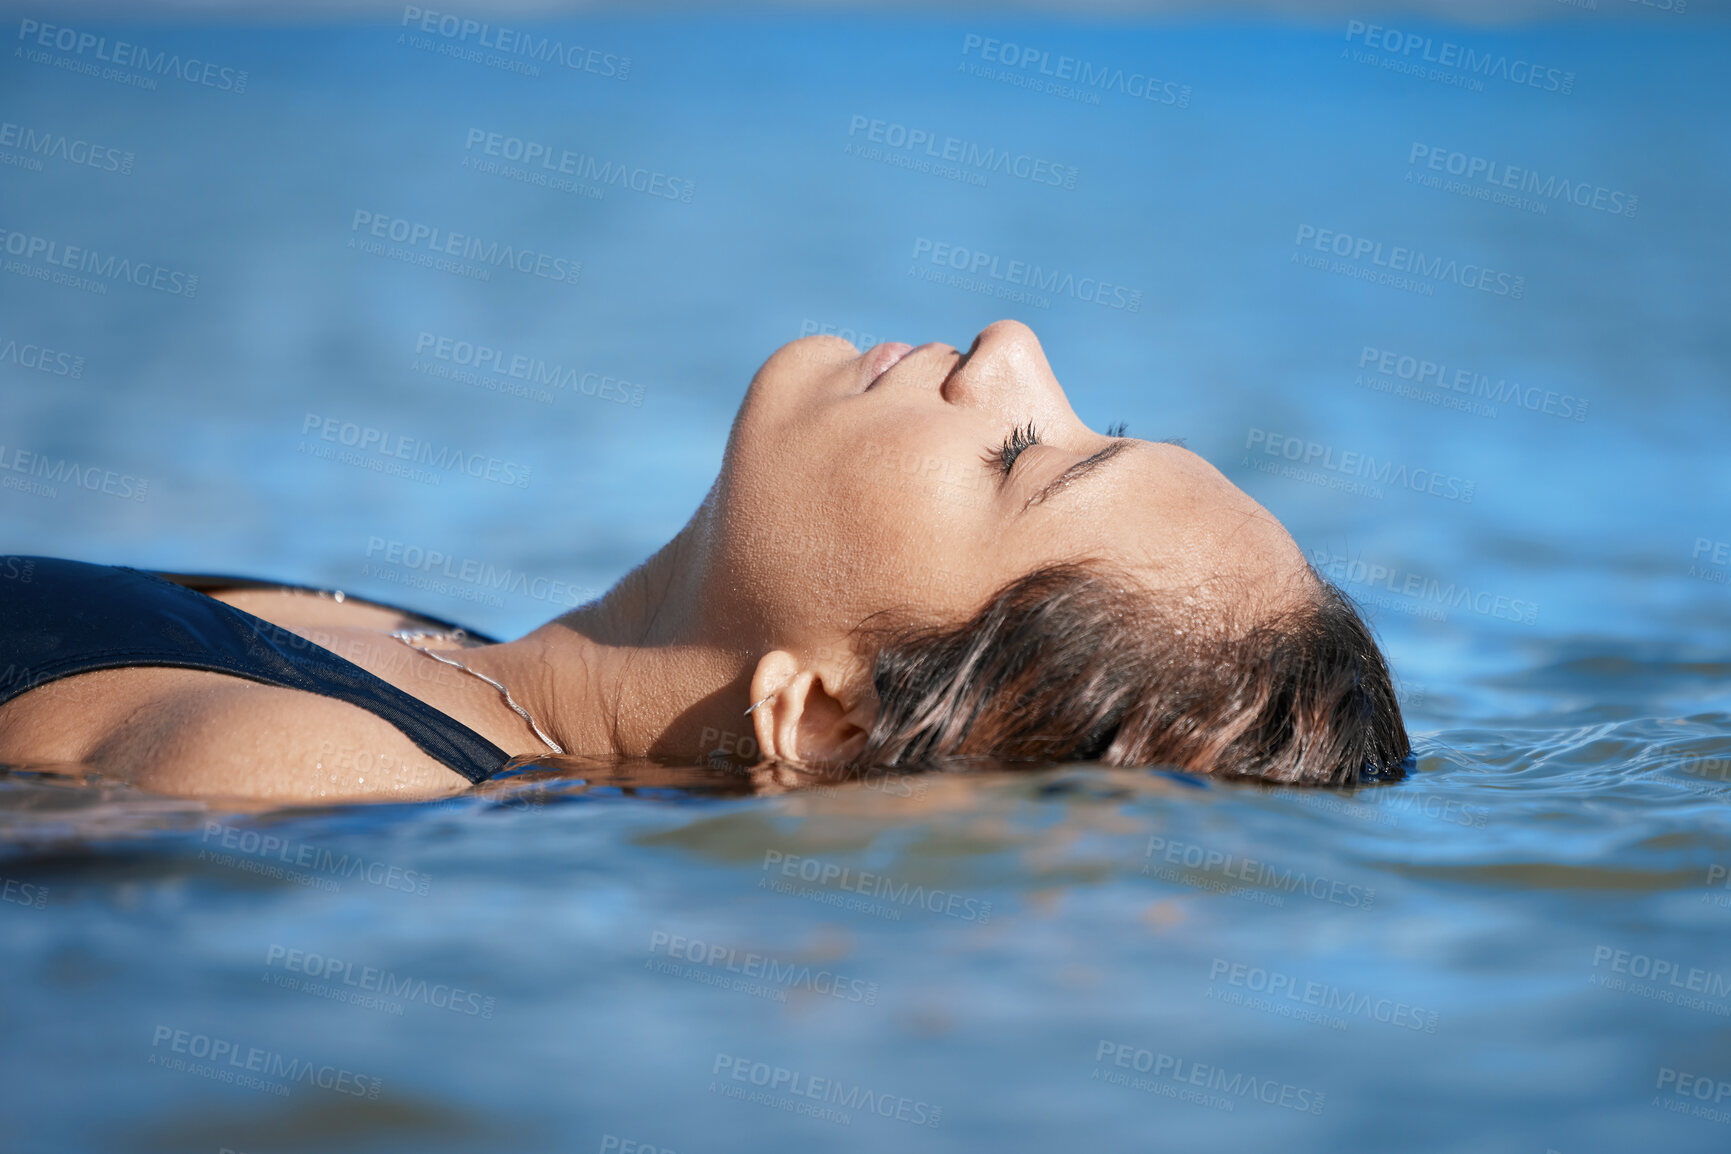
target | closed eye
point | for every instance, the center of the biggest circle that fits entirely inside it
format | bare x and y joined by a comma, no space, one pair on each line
1020,439
1079,470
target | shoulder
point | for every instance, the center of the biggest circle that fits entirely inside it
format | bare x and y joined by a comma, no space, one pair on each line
294,609
222,737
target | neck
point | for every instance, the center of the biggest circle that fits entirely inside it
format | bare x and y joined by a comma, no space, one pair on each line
637,673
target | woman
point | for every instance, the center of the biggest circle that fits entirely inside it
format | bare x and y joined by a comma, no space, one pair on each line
910,554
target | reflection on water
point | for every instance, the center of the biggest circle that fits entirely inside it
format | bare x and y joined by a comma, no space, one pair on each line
703,950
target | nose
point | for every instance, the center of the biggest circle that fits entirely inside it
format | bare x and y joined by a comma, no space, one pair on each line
1006,373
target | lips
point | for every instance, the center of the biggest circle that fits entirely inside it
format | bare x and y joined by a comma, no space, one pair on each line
881,359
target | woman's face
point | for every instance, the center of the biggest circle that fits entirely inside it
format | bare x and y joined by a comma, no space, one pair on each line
861,482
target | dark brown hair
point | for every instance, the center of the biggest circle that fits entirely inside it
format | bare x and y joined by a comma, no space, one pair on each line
1074,663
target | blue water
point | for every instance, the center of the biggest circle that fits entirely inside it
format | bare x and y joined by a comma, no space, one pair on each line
1521,949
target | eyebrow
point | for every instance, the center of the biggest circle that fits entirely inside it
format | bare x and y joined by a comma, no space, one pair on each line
1079,470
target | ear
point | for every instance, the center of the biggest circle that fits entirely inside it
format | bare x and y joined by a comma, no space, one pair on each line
798,719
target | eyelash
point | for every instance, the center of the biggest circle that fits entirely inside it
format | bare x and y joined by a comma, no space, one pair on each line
1024,437
1020,439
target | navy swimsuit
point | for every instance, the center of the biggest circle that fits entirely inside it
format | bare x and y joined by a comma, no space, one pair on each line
58,618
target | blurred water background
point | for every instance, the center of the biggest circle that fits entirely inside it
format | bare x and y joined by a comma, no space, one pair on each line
1449,299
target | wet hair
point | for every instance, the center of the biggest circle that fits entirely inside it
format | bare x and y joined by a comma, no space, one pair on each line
1073,662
